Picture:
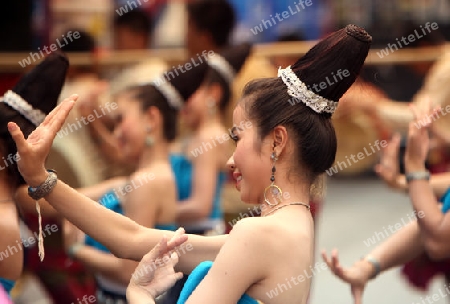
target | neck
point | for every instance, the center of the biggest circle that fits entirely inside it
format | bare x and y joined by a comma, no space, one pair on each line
158,153
209,120
292,193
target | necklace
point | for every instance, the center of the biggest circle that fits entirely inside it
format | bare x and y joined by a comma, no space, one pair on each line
279,207
6,200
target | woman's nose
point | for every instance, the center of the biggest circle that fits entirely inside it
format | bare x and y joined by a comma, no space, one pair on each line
230,163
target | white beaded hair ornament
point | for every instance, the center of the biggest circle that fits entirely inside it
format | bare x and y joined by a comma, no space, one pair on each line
222,66
15,101
298,90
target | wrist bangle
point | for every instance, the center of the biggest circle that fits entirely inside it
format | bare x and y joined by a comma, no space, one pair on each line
419,175
45,188
72,251
375,264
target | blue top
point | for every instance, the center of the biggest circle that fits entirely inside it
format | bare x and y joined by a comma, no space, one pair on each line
182,168
196,277
445,199
112,202
7,284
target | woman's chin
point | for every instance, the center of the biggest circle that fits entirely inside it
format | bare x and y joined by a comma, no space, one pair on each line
248,199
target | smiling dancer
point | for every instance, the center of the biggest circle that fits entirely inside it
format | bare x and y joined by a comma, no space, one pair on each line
26,104
285,151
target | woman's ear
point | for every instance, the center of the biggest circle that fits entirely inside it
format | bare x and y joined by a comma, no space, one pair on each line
215,92
153,117
280,139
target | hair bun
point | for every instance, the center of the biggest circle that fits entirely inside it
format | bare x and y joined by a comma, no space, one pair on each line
358,33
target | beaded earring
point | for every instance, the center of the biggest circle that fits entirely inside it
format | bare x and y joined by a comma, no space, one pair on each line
212,107
149,140
273,189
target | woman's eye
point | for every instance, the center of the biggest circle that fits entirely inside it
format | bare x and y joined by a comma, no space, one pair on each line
234,138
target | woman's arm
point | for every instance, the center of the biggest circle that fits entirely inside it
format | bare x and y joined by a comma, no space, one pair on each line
439,182
28,205
400,248
105,264
122,236
95,192
388,170
204,181
434,225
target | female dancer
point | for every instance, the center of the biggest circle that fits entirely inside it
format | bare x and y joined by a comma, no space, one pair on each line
429,235
27,104
200,167
146,124
290,145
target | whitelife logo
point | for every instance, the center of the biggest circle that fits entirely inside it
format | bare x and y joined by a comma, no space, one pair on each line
70,37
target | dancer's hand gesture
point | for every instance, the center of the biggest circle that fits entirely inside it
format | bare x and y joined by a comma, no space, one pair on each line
388,168
357,276
155,273
418,137
34,150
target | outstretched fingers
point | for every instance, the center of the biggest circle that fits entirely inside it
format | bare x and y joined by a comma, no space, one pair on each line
17,136
58,116
178,239
333,263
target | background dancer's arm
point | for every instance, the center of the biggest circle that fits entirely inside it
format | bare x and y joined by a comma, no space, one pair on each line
400,248
141,204
434,224
95,192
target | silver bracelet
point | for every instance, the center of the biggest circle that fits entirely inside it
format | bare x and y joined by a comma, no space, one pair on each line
45,188
376,265
420,175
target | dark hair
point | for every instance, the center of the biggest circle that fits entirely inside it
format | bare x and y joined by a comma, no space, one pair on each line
266,100
236,56
214,77
298,36
85,43
216,17
7,144
149,96
136,20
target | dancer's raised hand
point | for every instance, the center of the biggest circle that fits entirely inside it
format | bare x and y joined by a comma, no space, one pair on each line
388,168
155,273
418,138
357,276
34,150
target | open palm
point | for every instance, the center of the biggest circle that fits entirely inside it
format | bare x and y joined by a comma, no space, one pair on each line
388,168
357,275
418,137
155,273
34,150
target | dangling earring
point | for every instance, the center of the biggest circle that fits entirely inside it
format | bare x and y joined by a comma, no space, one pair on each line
212,107
149,140
273,189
